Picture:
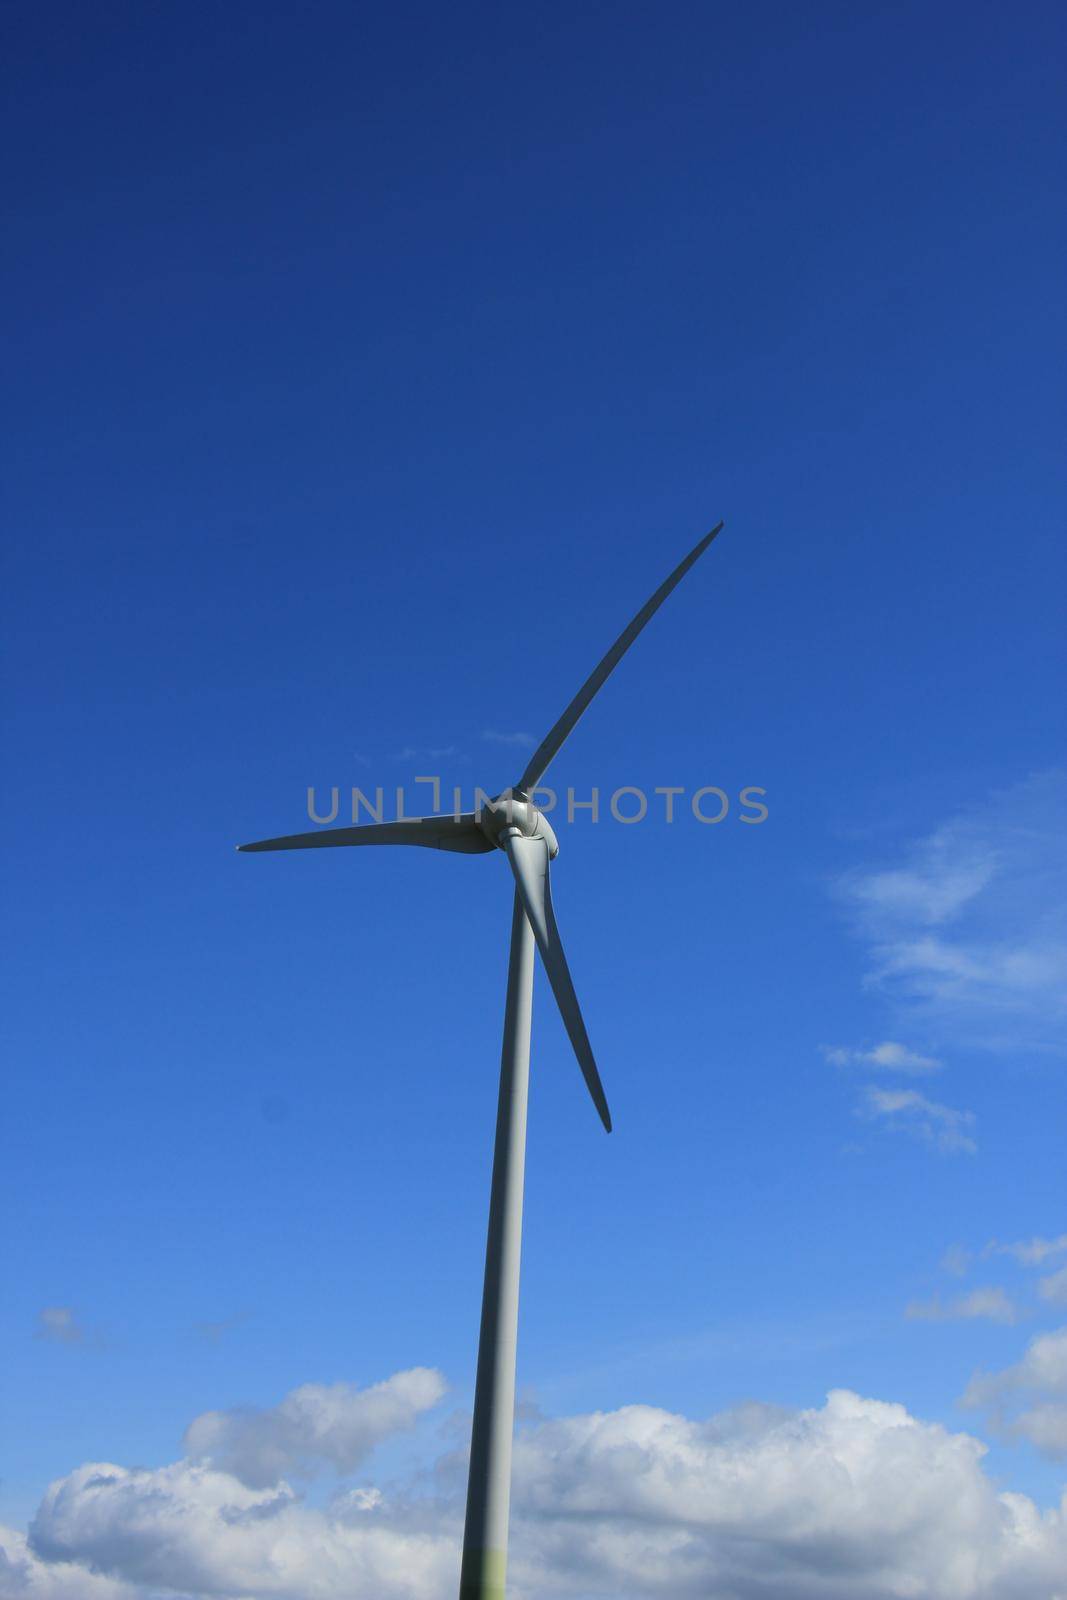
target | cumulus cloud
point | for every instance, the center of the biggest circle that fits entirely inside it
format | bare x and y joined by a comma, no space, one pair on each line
895,1057
336,1425
857,1499
59,1325
969,929
189,1529
519,741
991,1303
854,1500
1029,1399
908,1111
24,1576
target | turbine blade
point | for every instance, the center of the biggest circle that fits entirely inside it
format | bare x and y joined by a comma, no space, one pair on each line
538,762
529,863
438,833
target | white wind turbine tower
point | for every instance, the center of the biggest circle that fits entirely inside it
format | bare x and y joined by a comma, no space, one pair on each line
512,824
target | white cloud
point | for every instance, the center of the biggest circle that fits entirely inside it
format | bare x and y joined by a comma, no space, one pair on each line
413,752
336,1425
520,741
956,1260
991,1303
909,1111
1028,1400
932,891
895,1057
199,1532
59,1325
969,931
1029,1252
1054,1287
855,1500
23,1576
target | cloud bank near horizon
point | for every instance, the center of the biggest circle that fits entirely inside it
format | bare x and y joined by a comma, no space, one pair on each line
853,1500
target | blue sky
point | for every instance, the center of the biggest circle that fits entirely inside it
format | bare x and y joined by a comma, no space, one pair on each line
367,368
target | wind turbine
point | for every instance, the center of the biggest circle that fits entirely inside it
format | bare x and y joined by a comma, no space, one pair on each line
512,824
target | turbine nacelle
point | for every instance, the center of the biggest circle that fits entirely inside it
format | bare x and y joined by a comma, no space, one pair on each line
513,815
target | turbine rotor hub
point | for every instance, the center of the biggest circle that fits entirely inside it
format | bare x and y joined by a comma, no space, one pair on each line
513,813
